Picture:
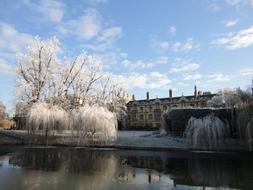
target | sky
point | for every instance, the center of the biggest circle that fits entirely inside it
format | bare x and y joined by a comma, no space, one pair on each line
153,45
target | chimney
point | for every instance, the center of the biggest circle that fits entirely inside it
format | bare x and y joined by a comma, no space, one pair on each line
133,97
195,91
170,93
147,95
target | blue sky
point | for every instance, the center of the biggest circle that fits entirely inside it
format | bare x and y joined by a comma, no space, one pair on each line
149,45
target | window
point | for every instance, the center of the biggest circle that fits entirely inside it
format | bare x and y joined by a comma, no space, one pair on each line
192,105
141,117
157,105
158,125
134,118
174,106
157,116
164,107
141,108
150,116
150,108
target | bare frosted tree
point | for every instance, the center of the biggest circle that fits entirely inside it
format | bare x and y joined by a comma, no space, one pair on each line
225,98
112,95
45,78
2,110
36,69
75,81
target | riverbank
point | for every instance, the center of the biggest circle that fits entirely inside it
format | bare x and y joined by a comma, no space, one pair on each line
135,140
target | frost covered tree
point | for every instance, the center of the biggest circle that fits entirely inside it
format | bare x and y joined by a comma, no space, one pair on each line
78,79
47,82
112,95
46,118
225,98
43,76
231,98
2,110
94,124
36,70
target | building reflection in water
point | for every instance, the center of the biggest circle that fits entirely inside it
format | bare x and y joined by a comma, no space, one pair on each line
109,169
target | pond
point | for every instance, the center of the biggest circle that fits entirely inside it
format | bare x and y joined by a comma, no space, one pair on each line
80,168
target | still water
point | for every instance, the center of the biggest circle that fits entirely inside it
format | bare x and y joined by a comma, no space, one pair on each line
64,168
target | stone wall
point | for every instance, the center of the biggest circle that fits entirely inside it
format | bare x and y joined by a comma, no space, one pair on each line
175,121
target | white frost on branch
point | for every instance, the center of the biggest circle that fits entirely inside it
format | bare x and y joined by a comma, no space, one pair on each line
95,123
36,69
2,110
68,84
43,116
49,88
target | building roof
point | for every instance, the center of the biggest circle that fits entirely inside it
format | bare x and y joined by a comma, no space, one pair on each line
202,97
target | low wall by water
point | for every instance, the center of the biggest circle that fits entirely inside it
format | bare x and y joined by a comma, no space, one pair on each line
175,121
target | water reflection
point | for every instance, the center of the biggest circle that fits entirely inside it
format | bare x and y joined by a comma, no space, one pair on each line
51,168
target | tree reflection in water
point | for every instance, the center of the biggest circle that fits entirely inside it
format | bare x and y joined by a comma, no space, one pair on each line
111,169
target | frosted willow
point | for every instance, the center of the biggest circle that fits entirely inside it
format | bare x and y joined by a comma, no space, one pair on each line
50,88
94,124
206,133
45,118
241,103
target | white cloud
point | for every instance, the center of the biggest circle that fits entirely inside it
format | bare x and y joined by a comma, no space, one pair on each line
164,45
95,2
214,7
162,60
51,10
139,64
186,46
5,68
214,78
172,30
12,41
86,26
98,36
231,23
233,2
193,77
182,66
236,40
239,2
110,33
246,72
109,58
152,80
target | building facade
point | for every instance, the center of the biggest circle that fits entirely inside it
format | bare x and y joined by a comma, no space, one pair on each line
147,113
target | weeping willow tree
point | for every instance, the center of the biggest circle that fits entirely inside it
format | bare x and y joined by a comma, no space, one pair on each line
241,102
45,119
94,124
50,88
245,117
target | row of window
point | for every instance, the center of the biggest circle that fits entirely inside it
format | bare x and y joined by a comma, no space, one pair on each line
157,116
150,108
150,125
157,106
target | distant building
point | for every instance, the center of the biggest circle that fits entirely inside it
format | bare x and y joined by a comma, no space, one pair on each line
147,113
